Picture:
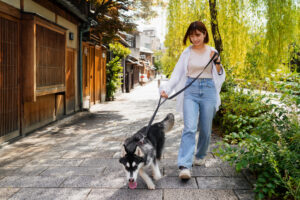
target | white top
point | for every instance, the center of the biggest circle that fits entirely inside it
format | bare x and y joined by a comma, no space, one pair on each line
197,62
179,77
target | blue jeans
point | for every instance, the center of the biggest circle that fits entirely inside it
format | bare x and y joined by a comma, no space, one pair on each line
199,104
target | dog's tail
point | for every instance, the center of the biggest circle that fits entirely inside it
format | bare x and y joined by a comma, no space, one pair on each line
168,122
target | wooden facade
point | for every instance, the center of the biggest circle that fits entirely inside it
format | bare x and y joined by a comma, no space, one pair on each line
37,69
43,71
70,81
9,76
93,74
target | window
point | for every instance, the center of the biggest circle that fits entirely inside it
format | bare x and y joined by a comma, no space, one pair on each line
50,56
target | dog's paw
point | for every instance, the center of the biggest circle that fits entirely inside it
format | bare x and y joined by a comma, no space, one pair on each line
151,186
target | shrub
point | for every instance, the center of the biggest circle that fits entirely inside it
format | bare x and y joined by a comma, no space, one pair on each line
264,138
114,69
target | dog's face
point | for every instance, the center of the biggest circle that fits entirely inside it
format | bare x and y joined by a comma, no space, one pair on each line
132,164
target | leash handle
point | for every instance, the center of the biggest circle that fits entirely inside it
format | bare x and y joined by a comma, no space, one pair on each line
177,93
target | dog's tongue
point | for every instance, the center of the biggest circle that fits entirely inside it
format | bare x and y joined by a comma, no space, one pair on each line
132,185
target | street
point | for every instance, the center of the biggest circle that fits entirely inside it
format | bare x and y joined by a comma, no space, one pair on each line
77,158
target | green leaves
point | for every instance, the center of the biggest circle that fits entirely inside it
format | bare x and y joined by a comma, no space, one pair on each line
262,137
114,69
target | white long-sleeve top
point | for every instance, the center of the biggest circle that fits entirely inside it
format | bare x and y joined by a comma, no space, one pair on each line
179,77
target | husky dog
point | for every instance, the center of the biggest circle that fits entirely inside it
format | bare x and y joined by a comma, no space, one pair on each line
141,150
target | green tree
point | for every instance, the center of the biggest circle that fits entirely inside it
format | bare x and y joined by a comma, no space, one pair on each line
256,35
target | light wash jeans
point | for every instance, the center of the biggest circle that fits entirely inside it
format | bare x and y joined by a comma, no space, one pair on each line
199,104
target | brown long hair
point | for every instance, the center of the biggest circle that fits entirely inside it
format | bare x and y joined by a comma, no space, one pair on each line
196,25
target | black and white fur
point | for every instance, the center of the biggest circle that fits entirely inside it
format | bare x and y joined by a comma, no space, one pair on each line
140,152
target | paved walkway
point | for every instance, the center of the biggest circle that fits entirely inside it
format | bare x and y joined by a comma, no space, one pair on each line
77,158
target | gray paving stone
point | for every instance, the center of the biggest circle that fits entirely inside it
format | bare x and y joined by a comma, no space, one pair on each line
5,193
30,170
102,162
107,153
196,171
245,194
110,145
249,176
50,154
13,161
75,147
57,162
170,155
230,171
88,154
206,171
195,194
51,193
175,182
95,181
222,183
215,162
114,171
168,163
70,171
31,181
8,171
125,194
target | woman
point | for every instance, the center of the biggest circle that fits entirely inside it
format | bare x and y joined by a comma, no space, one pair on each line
201,100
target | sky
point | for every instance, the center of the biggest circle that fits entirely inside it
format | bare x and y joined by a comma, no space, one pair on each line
159,23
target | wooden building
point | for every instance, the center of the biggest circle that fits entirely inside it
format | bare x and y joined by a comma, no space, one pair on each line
93,71
132,71
39,73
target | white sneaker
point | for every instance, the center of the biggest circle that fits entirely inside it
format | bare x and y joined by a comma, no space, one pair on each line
199,162
185,174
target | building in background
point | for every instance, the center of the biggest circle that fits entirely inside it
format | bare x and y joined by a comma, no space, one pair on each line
150,40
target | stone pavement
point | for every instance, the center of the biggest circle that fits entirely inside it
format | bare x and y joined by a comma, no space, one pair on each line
77,158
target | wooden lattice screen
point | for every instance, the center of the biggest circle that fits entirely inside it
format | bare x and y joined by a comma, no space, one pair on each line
9,89
50,54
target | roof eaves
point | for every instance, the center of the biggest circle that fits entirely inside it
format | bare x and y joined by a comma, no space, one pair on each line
73,9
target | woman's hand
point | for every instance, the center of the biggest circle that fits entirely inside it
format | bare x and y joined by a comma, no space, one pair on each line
163,94
212,54
218,60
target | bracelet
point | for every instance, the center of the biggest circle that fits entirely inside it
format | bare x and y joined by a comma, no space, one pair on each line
217,63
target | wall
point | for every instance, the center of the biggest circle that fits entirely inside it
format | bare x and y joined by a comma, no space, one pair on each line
72,44
30,6
14,3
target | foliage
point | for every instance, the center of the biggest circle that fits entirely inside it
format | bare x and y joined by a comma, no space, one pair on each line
287,87
114,69
113,16
145,9
263,137
294,57
110,17
157,61
258,36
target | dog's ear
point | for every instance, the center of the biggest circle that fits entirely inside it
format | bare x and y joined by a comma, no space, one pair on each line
139,152
123,151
